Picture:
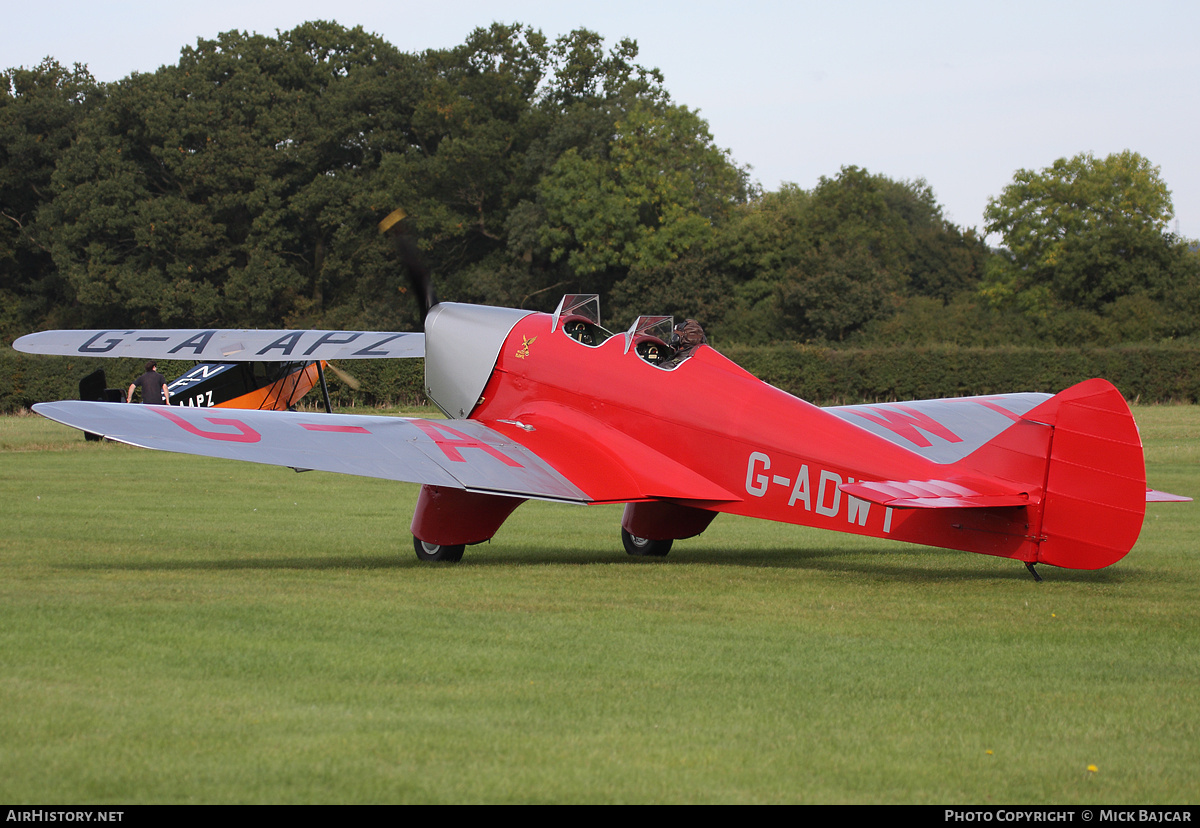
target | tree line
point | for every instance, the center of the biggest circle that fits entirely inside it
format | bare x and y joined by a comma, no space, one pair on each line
241,187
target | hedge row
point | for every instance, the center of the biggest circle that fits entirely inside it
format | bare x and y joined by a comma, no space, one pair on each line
1145,373
1149,373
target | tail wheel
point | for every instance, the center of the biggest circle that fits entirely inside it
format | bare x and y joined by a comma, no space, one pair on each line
434,552
644,546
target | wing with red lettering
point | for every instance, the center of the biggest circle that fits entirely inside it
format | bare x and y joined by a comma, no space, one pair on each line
946,430
213,345
462,454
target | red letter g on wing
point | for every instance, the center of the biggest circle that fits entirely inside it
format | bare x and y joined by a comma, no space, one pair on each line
246,433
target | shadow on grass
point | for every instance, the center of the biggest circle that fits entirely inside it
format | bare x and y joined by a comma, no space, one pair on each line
913,563
917,564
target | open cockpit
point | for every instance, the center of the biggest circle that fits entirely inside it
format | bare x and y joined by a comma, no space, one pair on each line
578,315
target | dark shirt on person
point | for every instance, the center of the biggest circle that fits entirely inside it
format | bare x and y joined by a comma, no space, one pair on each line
152,384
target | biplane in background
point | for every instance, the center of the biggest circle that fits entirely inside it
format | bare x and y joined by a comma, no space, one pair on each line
274,386
552,406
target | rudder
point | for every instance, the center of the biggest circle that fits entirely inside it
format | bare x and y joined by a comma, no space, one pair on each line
1093,486
1095,498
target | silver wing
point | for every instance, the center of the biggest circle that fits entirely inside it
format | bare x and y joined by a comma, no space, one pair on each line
462,454
215,345
945,430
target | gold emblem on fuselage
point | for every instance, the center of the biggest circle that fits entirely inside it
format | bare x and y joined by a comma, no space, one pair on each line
523,351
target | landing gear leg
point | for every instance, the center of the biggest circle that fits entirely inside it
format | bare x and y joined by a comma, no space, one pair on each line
1033,572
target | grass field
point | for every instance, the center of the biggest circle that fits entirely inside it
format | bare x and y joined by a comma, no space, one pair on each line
177,629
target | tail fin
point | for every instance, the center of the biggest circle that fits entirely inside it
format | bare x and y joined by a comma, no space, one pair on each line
1082,449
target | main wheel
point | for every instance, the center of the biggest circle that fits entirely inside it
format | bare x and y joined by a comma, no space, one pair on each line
433,552
644,546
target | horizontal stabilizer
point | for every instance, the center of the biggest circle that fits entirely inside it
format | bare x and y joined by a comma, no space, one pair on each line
1155,496
937,494
1066,479
213,345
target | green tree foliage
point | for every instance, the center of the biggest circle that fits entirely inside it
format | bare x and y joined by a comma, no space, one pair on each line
654,195
40,112
228,189
821,265
503,115
1080,233
1088,257
465,168
242,187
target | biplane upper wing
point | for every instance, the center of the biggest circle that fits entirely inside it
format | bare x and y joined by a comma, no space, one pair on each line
216,345
463,454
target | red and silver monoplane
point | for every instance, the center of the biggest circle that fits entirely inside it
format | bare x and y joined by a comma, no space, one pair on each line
551,406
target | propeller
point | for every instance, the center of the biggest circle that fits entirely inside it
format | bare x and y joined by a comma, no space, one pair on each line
455,375
342,375
418,277
406,249
346,377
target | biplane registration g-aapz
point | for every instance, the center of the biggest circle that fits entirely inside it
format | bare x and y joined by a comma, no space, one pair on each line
551,406
263,385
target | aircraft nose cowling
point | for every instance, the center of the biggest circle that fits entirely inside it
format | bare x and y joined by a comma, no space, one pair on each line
462,344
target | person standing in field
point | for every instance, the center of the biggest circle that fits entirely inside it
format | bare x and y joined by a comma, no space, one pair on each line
153,385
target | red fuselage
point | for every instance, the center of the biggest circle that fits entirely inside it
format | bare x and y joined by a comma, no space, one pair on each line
707,434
